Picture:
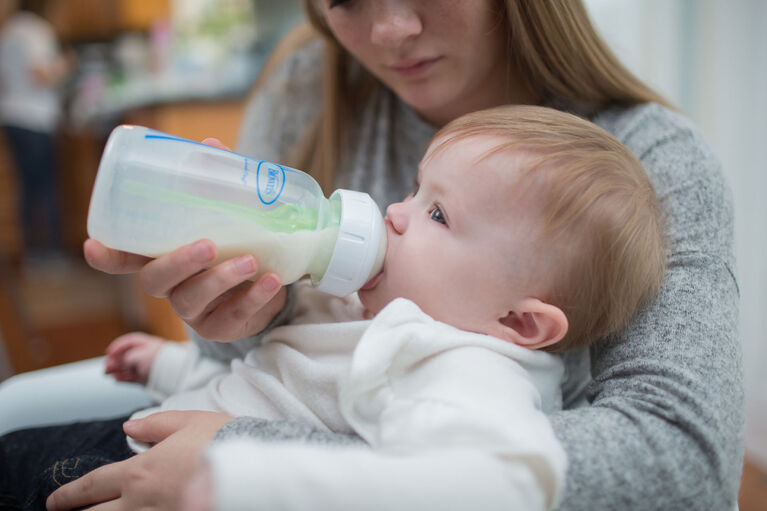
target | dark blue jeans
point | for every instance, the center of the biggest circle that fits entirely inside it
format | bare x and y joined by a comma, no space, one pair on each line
34,462
34,158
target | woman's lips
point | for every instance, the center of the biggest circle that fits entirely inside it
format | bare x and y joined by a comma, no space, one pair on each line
370,284
413,67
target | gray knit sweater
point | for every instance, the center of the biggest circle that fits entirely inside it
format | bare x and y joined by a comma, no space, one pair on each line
654,416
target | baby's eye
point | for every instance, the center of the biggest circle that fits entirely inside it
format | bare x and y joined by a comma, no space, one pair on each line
437,215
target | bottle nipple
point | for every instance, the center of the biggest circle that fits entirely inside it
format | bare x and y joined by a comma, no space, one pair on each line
360,247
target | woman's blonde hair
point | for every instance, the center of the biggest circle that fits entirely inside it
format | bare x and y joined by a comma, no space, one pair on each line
602,230
551,42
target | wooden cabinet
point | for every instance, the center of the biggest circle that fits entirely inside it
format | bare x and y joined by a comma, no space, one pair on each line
194,120
52,315
78,20
10,233
140,14
83,19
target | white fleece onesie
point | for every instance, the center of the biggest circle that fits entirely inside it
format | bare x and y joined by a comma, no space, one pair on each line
404,382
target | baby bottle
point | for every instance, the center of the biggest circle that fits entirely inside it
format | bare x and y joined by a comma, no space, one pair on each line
155,192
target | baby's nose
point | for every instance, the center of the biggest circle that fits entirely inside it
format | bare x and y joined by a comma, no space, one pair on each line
397,217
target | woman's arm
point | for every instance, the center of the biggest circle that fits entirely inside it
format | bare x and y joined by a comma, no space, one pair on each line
665,425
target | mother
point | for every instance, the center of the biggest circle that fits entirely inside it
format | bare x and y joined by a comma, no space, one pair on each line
654,416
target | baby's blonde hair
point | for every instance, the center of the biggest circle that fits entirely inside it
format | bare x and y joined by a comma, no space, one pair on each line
600,213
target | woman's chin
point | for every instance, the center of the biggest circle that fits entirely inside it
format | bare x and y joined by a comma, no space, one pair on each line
425,99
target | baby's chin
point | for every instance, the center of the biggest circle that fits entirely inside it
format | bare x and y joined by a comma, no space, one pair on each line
371,303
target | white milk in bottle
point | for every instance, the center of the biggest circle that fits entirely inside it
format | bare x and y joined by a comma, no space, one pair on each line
155,192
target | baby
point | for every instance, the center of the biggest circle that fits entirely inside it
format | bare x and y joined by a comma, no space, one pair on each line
532,232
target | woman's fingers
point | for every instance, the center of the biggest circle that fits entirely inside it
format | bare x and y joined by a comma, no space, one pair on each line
215,143
192,297
150,480
219,302
244,313
160,276
112,261
155,428
100,485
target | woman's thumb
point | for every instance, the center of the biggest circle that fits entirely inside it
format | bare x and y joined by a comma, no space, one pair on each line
215,143
156,427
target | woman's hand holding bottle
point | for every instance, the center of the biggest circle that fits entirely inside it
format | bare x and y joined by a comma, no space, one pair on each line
220,302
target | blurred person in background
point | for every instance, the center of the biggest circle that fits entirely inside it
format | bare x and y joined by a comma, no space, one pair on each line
32,67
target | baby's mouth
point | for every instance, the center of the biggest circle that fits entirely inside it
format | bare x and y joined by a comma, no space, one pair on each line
370,284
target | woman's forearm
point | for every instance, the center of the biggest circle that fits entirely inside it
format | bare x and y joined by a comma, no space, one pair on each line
665,427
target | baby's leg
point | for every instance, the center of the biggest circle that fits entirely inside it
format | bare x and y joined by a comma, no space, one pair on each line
72,392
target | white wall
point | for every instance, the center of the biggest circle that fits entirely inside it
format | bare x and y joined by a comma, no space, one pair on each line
709,57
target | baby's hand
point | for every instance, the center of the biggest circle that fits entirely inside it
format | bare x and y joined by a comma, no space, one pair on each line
130,356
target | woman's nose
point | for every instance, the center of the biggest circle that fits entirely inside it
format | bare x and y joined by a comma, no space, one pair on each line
397,216
395,22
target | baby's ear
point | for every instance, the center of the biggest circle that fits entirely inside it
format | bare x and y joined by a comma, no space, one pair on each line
533,324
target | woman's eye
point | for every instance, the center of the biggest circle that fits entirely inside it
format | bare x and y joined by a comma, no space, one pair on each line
336,3
437,215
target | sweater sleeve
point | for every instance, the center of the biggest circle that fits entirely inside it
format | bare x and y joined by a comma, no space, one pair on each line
664,429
